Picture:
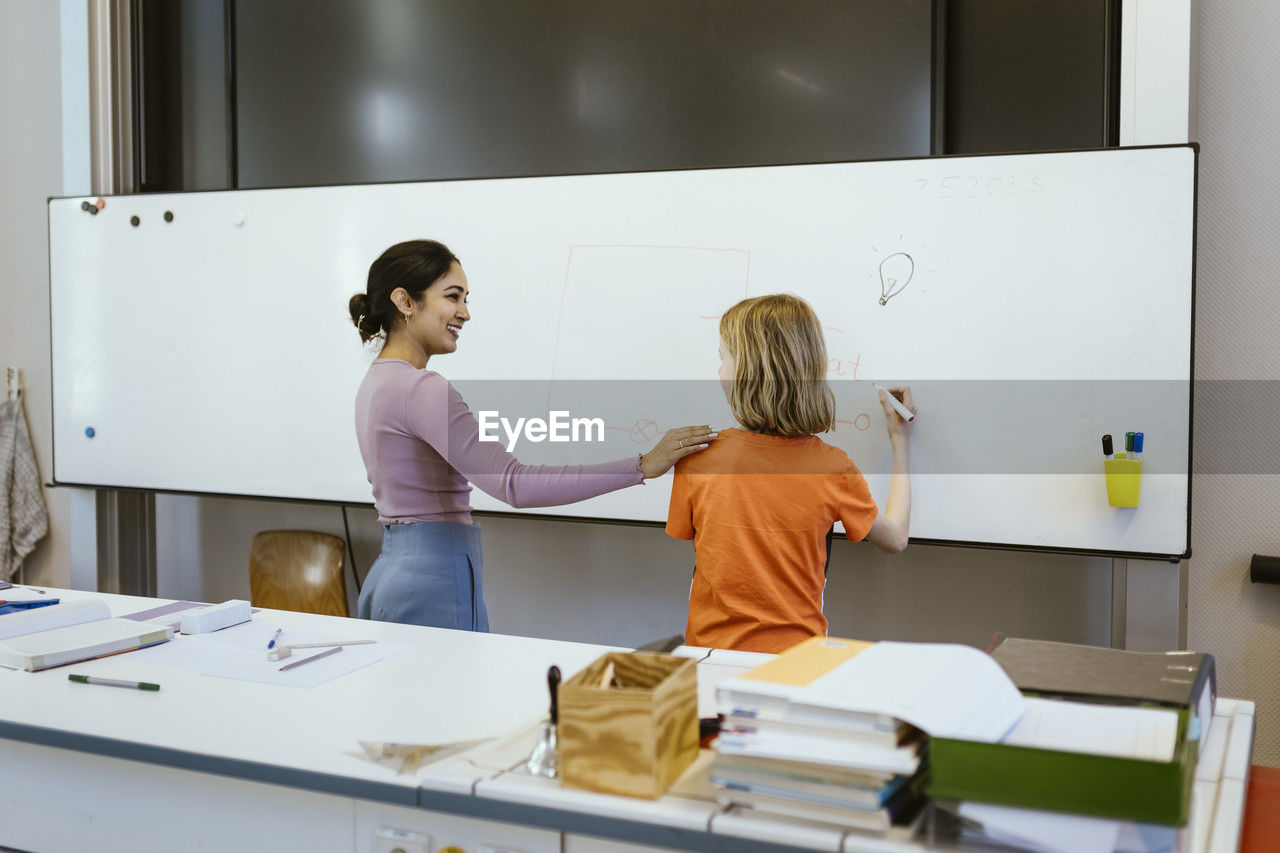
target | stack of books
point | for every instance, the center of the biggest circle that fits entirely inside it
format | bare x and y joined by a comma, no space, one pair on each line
831,730
866,779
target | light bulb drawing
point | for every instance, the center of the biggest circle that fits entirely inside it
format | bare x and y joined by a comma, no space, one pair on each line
896,271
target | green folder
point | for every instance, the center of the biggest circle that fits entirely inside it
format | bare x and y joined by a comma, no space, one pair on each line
1103,786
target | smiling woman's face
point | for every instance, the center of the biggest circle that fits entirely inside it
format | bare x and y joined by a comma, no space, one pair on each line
436,320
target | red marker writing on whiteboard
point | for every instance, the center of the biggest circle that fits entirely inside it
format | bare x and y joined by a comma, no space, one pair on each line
905,413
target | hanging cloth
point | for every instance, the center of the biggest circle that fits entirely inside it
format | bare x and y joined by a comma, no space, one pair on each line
24,520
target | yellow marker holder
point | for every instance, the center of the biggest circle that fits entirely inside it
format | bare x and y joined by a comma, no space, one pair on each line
1124,480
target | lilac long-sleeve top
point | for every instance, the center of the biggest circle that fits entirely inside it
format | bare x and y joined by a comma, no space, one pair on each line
422,450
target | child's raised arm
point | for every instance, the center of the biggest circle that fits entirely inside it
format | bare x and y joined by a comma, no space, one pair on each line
891,529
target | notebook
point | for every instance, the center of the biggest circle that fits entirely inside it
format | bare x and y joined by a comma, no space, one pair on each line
70,632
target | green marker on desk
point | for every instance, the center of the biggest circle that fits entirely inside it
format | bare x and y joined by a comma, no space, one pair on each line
113,682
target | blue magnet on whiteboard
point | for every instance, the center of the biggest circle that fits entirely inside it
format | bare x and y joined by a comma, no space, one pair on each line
89,431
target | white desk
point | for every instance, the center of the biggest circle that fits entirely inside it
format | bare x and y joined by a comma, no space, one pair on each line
216,764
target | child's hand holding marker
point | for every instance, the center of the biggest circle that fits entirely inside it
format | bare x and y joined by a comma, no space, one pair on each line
899,408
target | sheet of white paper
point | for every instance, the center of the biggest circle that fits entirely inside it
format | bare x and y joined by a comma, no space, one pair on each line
947,690
1147,734
1041,831
240,652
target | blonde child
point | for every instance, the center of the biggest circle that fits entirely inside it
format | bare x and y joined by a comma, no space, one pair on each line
759,502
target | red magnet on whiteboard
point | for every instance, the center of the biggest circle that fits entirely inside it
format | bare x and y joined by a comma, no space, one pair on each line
93,206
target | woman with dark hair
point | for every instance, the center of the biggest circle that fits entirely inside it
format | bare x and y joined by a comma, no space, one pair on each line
422,450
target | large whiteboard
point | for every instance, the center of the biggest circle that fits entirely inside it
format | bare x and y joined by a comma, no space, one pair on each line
1034,302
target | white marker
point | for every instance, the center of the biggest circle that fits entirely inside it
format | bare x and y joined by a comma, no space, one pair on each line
902,410
282,651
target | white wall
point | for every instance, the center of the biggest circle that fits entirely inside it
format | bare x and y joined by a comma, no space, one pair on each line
31,170
1236,511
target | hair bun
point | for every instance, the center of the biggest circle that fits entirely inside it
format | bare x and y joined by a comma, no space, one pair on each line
358,306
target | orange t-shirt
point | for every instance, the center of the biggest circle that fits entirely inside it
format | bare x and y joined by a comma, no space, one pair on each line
758,509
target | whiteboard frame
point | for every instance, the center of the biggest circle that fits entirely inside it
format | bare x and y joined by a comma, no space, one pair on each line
1114,553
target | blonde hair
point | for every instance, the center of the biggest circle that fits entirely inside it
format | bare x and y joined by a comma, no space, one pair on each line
780,372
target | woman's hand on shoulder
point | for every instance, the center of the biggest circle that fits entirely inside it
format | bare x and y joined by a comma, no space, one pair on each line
674,446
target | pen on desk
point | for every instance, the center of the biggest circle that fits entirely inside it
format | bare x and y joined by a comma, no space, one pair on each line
1137,446
1107,449
298,663
271,644
329,643
905,413
284,650
113,682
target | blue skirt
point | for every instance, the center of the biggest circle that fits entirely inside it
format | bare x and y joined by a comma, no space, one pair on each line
429,573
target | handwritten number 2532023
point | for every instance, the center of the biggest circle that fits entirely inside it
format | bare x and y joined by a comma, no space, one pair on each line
973,186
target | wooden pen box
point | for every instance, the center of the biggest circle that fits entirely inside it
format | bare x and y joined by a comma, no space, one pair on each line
635,734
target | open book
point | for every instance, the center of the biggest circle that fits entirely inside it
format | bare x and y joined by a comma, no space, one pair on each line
70,632
826,682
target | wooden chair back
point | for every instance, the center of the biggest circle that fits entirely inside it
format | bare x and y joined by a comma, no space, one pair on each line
298,570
